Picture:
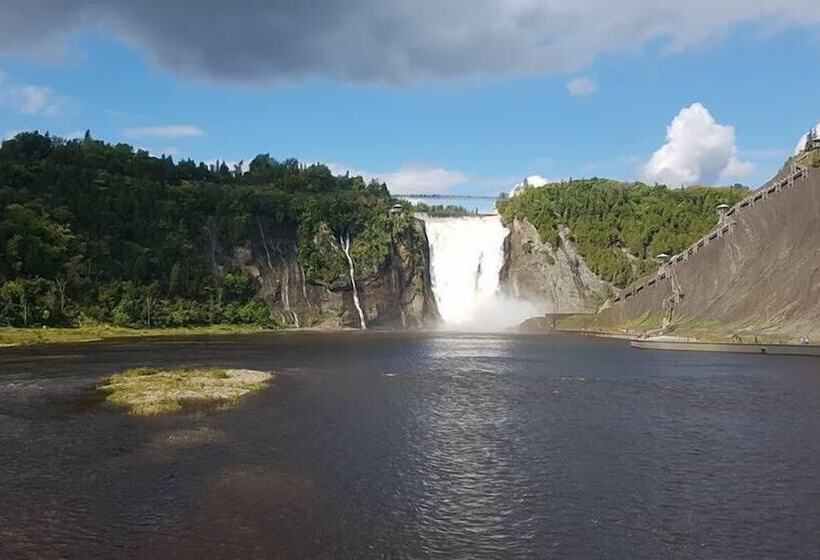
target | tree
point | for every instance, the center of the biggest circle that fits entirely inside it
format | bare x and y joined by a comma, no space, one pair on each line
107,232
632,218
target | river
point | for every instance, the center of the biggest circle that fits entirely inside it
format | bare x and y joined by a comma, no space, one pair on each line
444,445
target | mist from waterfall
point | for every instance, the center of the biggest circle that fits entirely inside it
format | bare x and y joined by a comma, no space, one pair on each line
466,257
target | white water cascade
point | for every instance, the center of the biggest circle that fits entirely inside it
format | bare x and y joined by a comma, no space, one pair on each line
466,256
344,243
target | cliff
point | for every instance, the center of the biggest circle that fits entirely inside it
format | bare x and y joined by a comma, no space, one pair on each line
128,239
556,278
756,274
396,293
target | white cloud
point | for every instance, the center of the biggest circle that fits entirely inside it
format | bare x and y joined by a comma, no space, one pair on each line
34,100
532,181
30,100
410,179
417,179
341,169
801,144
172,151
11,134
166,131
73,135
581,86
697,150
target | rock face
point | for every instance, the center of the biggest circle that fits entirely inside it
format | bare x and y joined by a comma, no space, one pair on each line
396,295
761,276
555,278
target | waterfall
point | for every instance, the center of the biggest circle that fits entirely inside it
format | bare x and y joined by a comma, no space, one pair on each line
344,243
466,256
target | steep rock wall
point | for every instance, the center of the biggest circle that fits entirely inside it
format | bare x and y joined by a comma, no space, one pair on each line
556,278
397,295
762,275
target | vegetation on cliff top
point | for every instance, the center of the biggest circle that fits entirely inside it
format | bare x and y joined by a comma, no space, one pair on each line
620,227
96,233
441,210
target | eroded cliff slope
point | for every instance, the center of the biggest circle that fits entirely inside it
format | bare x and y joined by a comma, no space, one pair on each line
555,278
395,293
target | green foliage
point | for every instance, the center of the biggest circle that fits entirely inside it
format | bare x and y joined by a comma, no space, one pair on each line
620,227
442,210
107,233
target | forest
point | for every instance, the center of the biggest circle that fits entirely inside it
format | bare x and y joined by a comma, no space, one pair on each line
98,233
620,227
94,233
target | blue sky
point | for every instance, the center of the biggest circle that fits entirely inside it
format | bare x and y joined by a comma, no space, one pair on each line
469,133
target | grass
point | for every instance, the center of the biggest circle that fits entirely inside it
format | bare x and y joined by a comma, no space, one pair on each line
150,391
703,330
10,336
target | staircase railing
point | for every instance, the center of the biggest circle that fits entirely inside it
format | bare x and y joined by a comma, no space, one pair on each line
796,171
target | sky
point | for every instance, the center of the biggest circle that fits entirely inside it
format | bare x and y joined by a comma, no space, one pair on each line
428,96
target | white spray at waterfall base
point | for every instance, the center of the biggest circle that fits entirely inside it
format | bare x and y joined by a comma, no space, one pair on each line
344,243
466,256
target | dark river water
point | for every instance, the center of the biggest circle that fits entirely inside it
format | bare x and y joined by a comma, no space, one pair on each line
387,445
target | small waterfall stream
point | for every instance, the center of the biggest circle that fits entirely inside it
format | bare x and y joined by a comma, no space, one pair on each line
344,243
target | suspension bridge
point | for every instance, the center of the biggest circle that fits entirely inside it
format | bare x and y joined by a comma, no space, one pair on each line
446,196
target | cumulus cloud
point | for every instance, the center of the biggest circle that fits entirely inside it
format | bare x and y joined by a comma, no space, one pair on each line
27,99
532,181
388,41
165,131
697,150
581,86
415,179
801,144
73,135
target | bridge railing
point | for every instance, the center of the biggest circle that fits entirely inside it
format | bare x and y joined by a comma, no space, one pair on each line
446,196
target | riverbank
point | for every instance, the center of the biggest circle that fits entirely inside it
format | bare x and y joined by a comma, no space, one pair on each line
692,330
10,336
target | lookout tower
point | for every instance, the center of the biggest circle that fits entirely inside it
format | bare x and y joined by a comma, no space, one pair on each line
721,210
